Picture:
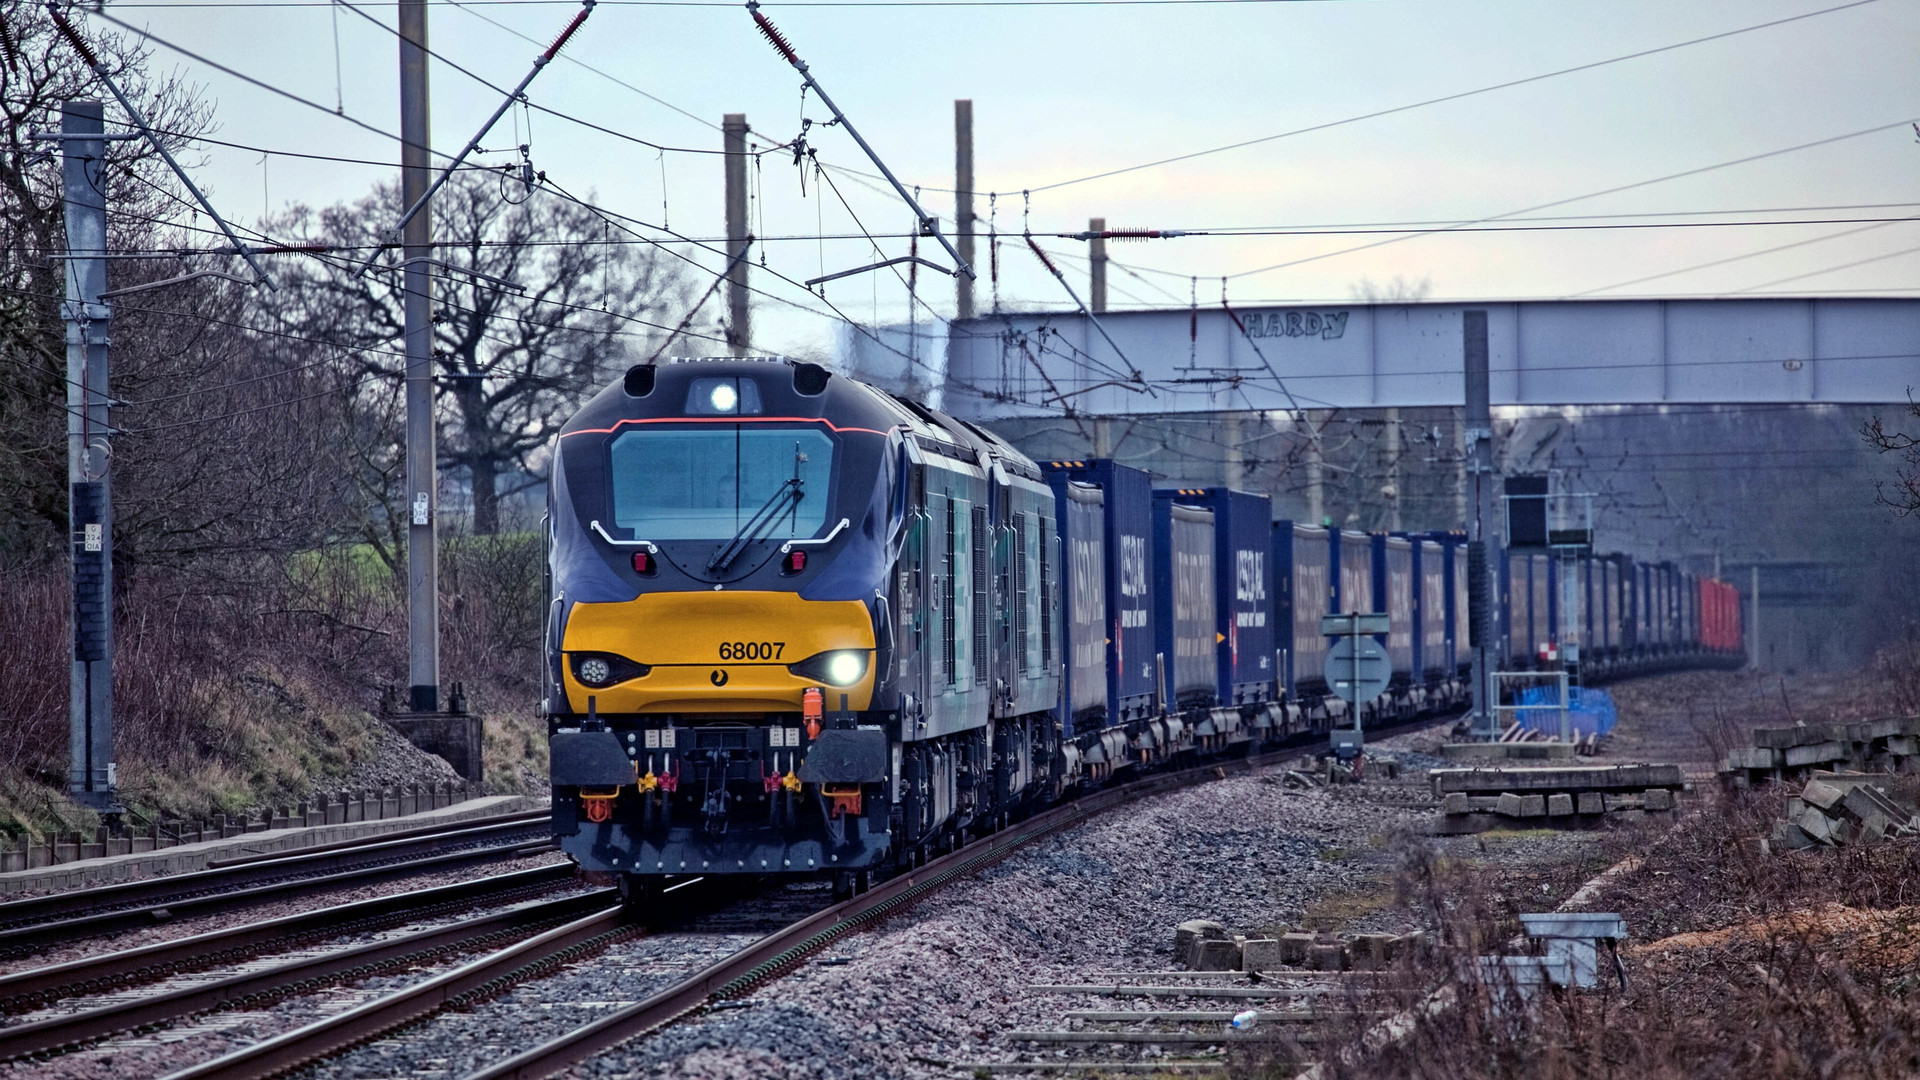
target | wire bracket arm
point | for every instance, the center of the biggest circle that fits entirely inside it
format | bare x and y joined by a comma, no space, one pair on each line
1138,382
929,225
139,119
516,94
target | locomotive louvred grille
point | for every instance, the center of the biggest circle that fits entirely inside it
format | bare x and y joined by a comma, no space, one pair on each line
979,598
1046,594
947,644
1020,590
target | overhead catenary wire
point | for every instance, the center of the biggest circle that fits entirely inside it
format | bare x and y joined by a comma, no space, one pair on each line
1746,255
836,311
1428,102
1831,269
649,240
1614,190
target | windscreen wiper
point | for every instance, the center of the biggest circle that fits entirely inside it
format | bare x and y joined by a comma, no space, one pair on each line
790,491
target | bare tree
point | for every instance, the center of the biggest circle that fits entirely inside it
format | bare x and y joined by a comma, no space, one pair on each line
39,73
538,302
1401,290
1903,492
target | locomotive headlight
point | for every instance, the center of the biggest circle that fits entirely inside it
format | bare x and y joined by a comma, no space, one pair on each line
595,672
605,669
723,398
840,667
845,669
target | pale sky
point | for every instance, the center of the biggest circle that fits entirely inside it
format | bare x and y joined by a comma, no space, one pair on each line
1062,92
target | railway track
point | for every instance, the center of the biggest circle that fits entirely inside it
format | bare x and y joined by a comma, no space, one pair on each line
32,924
729,979
25,991
259,985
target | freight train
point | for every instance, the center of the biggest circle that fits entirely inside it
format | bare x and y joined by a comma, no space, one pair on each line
799,625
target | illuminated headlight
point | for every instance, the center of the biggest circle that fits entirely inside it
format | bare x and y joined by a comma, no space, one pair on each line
724,398
605,669
841,667
845,669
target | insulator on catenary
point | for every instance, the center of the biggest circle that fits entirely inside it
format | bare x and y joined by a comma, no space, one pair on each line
1128,234
586,9
1043,257
773,35
73,38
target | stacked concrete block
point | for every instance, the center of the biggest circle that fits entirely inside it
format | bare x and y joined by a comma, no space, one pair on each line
1260,954
1472,799
1188,936
1890,744
1327,956
1204,945
1842,808
1215,954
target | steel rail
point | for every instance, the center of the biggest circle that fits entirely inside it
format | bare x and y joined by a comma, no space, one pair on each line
254,989
31,989
441,829
332,858
33,937
784,950
468,983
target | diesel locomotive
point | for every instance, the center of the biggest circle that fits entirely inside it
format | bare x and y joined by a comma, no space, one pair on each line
799,625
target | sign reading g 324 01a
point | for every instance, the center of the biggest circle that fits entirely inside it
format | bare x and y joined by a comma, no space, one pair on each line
1325,325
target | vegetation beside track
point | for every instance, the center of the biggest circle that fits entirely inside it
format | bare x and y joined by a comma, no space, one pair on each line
259,689
1742,963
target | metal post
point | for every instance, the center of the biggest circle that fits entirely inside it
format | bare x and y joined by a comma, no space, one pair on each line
1097,256
1392,491
1755,632
1316,474
1571,622
423,554
91,778
1234,466
733,132
1481,537
1353,638
963,200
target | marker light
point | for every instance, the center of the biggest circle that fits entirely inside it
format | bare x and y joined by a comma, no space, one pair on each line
642,563
795,562
724,398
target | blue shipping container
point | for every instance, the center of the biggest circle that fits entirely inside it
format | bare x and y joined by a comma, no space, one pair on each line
1128,497
1303,593
1243,575
1183,600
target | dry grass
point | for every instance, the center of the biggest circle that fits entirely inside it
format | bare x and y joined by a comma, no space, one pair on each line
254,687
1749,966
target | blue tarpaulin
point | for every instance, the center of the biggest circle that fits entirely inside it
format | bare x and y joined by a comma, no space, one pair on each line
1590,713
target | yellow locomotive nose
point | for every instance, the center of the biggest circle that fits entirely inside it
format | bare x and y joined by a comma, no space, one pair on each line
717,652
